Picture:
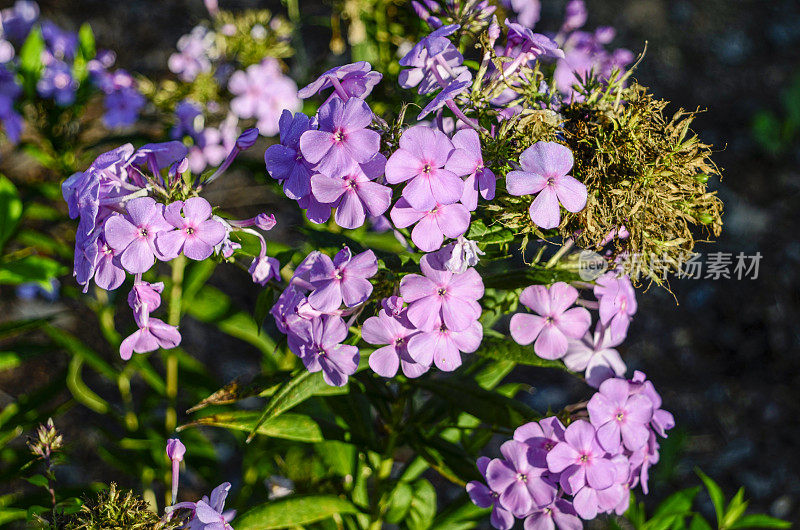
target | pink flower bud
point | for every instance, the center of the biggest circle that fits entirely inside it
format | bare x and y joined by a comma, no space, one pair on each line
175,449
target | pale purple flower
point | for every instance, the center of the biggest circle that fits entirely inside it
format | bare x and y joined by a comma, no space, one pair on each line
108,272
483,497
61,43
461,255
263,269
286,306
583,466
575,16
158,156
208,512
560,514
318,344
545,168
342,279
433,62
532,44
528,11
192,57
57,83
618,415
263,92
521,485
443,347
133,235
554,323
421,160
196,232
394,330
448,93
595,355
145,297
355,194
541,437
585,54
188,120
18,20
467,160
451,220
211,147
151,335
122,107
617,300
440,297
175,452
342,138
316,212
662,420
284,161
350,80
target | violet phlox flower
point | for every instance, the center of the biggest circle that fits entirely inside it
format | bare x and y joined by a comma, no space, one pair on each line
530,44
584,466
194,54
484,497
554,322
175,452
318,343
57,83
448,93
443,346
595,355
207,513
433,62
354,194
421,159
528,11
345,278
460,255
559,514
196,233
152,333
109,273
662,420
263,92
134,234
122,107
522,485
285,162
349,80
545,168
617,300
618,415
541,437
467,160
342,138
585,55
439,296
392,328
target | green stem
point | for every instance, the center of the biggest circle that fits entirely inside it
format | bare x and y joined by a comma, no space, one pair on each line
174,319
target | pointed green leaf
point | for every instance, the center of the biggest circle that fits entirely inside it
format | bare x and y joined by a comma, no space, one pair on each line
758,520
287,426
423,506
715,492
10,209
293,511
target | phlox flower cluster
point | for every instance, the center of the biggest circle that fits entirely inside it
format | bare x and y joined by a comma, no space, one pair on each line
554,476
58,81
124,230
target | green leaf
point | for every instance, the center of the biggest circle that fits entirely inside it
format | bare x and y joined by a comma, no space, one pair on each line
735,509
679,503
715,492
531,276
496,346
86,42
399,503
758,520
30,60
423,506
288,426
294,511
80,391
699,523
461,515
296,390
38,269
8,515
10,209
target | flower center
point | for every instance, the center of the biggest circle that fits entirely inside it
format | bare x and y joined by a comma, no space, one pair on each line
190,230
441,291
548,445
143,232
522,477
620,416
337,274
426,168
338,135
584,459
551,181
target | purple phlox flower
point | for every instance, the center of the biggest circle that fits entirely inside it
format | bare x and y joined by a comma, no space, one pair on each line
443,347
61,43
394,330
145,297
662,420
528,11
483,497
354,194
421,159
286,306
439,296
318,344
151,335
18,20
560,514
468,160
448,94
521,485
532,44
133,235
617,300
208,512
584,55
215,147
265,268
575,16
617,414
284,161
263,92
394,305
10,119
545,168
196,232
584,467
433,62
122,107
350,80
554,323
188,121
541,437
342,279
640,462
57,83
460,255
616,498
342,138
158,156
595,355
108,272
175,451
193,56
424,12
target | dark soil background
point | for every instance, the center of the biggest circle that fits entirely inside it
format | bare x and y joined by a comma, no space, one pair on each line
725,354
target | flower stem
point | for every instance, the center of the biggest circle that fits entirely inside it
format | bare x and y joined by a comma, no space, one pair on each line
173,319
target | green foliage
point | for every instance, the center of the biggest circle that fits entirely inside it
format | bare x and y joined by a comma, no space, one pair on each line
777,134
294,511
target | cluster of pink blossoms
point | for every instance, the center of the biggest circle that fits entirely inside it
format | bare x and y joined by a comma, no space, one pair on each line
124,230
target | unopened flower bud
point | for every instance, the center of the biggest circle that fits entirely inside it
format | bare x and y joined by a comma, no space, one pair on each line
247,139
175,449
